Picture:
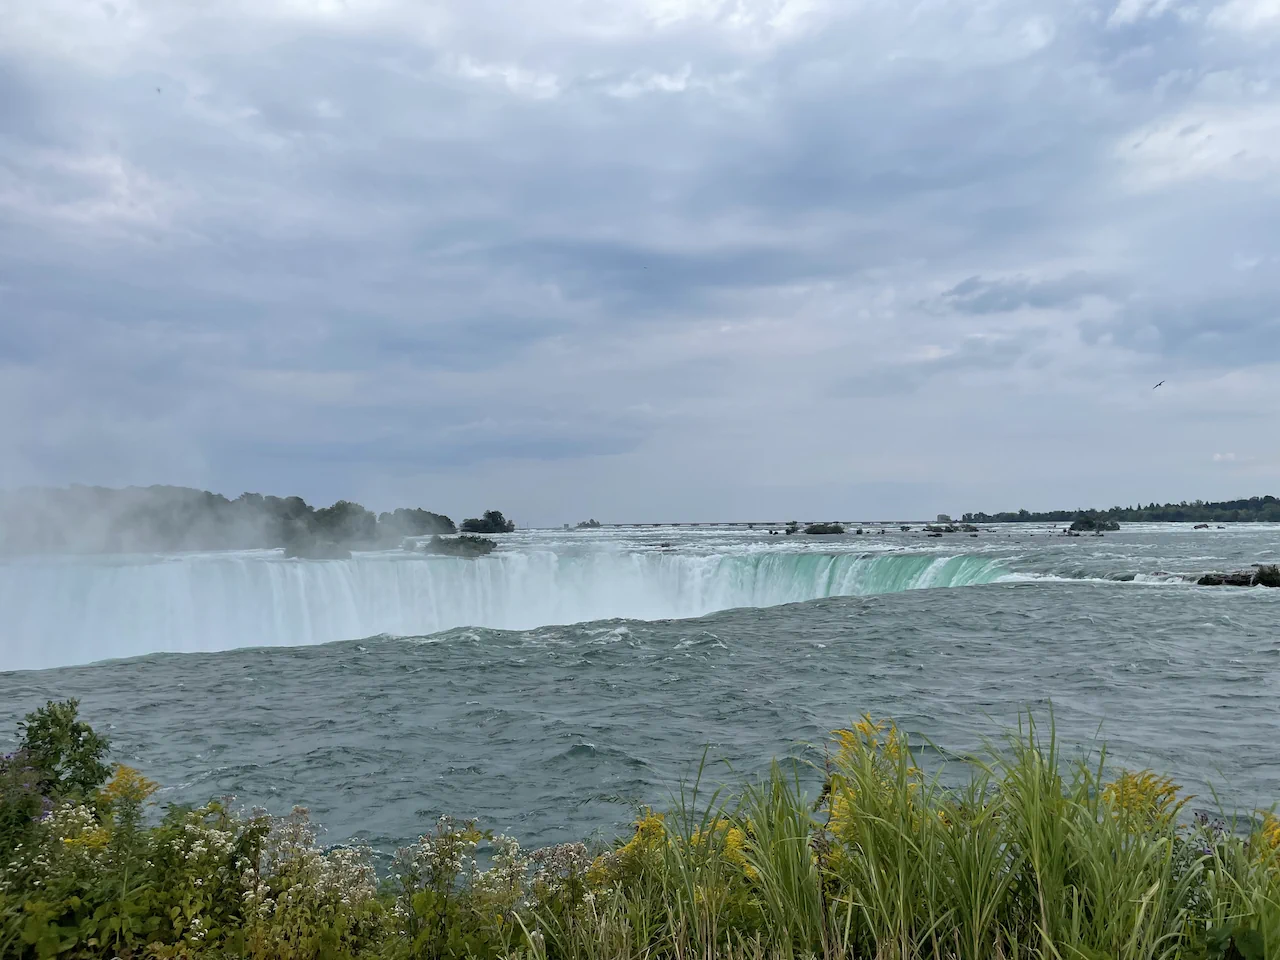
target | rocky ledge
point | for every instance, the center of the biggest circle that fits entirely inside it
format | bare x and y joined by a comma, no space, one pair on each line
1087,524
464,546
1262,575
822,529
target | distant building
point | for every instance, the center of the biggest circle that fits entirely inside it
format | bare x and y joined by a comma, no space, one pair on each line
943,518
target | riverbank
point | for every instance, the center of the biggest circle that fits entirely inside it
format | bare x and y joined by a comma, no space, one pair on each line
1032,856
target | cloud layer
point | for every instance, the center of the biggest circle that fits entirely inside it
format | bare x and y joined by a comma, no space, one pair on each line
652,259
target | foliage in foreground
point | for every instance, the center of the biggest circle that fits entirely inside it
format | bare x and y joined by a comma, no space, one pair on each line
1034,857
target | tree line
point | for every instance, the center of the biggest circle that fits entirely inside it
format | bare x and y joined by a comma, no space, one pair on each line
1252,510
81,519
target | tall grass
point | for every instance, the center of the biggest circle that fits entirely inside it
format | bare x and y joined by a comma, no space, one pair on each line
784,867
1031,856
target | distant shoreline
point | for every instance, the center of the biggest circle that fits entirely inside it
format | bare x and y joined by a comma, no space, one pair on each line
1253,510
168,519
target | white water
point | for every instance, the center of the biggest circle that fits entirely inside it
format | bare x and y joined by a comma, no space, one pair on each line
66,611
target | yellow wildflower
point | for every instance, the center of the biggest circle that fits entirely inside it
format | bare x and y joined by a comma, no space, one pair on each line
733,844
601,870
1145,798
95,839
871,729
651,833
873,755
842,810
650,837
1270,831
127,786
880,739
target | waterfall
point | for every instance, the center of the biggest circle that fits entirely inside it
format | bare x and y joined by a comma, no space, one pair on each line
60,611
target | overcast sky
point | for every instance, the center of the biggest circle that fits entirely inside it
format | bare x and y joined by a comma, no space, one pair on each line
644,259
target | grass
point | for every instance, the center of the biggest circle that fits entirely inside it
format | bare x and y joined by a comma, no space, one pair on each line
1034,856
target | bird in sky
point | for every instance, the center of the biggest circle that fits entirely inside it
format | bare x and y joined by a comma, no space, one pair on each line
1158,385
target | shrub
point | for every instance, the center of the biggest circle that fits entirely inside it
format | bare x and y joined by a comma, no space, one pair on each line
64,750
22,800
59,758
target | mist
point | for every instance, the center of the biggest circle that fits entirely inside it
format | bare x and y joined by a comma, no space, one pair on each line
92,520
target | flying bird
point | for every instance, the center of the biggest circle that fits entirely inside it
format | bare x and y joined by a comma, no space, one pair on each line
1158,385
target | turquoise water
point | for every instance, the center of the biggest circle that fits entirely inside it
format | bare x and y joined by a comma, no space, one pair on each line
551,687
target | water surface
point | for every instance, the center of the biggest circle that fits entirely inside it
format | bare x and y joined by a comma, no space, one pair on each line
268,678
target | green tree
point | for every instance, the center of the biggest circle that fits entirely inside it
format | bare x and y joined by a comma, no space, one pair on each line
346,522
492,522
67,754
60,758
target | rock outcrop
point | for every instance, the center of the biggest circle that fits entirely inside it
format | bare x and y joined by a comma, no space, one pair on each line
818,529
1089,524
1262,575
466,547
933,528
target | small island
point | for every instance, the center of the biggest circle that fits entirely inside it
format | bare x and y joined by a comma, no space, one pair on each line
1093,524
823,529
492,522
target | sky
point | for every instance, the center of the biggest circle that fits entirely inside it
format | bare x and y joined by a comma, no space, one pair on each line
644,260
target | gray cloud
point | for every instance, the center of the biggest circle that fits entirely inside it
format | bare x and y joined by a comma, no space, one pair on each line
415,254
1225,330
973,355
976,295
